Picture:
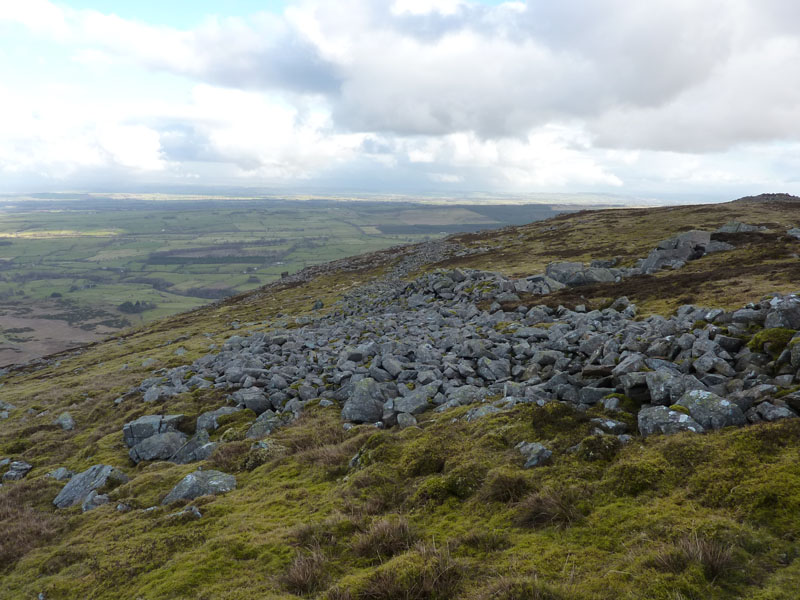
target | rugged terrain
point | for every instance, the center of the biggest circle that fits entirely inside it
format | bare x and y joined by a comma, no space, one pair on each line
600,405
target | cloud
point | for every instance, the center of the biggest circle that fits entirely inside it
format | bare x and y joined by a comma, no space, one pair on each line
516,95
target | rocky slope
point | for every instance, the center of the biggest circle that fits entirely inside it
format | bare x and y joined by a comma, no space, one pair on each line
416,424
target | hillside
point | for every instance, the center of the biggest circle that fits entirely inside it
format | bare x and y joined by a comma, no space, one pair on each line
601,405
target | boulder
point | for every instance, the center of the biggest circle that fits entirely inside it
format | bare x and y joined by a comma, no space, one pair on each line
201,483
405,420
252,398
265,424
144,427
365,404
535,454
200,447
17,470
65,421
93,500
711,411
660,419
770,412
417,401
61,474
667,386
493,370
208,420
82,484
563,271
161,446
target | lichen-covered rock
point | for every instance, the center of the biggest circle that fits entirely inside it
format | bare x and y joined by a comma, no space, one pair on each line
711,411
535,453
201,483
667,386
660,419
65,421
93,478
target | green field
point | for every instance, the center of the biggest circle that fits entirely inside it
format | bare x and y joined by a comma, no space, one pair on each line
82,257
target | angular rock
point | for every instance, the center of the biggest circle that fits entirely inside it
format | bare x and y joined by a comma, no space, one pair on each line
61,474
667,386
252,398
208,420
17,470
365,404
660,419
266,423
535,454
93,500
161,446
417,401
200,447
201,483
405,420
144,427
711,411
93,478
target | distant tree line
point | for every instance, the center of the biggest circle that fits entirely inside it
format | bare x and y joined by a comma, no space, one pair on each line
133,308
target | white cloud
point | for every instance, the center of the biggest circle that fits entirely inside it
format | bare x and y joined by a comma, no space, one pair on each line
520,95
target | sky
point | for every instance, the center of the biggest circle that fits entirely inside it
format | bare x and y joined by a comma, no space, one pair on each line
664,98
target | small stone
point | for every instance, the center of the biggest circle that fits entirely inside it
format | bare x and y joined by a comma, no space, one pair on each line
406,420
65,421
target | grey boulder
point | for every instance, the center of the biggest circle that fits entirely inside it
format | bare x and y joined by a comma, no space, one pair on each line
17,470
535,454
417,401
65,421
711,411
200,447
161,446
208,420
201,483
82,484
660,419
365,404
148,426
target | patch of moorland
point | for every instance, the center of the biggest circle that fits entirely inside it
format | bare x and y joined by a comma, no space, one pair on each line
443,510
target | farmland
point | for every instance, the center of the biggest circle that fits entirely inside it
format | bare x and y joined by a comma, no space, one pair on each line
74,269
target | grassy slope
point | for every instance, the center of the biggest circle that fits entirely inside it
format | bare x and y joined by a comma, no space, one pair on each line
678,517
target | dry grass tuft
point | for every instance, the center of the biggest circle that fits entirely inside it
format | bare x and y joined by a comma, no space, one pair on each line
230,457
307,574
503,485
715,556
549,506
385,538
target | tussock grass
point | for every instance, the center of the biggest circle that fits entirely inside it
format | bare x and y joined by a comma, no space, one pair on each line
385,538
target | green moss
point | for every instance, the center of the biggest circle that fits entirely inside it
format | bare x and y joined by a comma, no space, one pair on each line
772,341
679,408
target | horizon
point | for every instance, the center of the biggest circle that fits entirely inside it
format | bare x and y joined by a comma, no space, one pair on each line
451,98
